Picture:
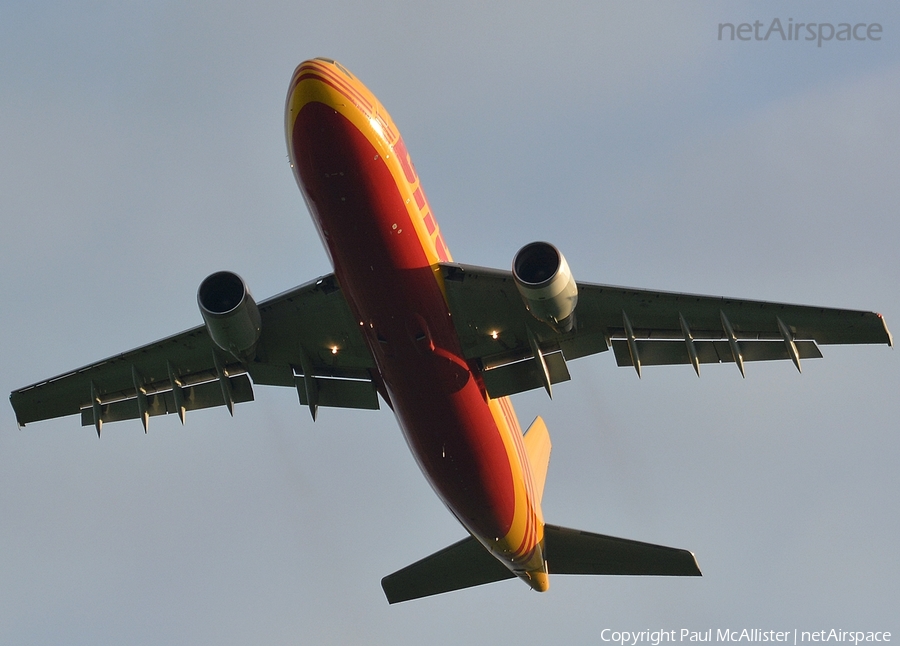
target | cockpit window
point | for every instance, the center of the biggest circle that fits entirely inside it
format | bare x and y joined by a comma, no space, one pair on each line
343,69
331,61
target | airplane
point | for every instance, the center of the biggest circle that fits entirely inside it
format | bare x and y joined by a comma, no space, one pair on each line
443,344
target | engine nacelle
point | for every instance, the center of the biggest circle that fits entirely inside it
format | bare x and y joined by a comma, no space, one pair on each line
543,278
230,313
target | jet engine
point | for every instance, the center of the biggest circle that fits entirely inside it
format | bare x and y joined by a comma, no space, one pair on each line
230,313
543,279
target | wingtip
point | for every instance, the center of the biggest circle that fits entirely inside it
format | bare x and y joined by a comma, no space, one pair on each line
12,402
388,591
890,338
696,565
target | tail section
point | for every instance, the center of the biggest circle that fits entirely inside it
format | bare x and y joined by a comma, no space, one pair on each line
569,551
468,563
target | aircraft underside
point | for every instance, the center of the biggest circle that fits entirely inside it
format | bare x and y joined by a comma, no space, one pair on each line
443,344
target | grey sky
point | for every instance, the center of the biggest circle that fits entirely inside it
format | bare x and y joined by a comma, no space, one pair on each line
142,148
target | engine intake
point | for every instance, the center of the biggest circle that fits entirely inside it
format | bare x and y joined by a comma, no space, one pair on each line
230,313
546,284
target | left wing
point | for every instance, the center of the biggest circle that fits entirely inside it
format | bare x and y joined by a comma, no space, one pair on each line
309,340
643,327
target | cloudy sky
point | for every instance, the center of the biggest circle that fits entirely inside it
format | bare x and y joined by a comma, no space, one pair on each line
142,148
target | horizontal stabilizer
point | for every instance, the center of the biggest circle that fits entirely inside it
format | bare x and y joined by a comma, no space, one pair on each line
568,551
572,551
462,565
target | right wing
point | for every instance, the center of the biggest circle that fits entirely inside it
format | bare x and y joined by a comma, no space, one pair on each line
643,327
309,340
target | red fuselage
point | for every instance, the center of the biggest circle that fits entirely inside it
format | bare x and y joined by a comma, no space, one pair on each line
364,196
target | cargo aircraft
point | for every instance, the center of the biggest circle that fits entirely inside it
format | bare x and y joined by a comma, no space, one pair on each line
442,344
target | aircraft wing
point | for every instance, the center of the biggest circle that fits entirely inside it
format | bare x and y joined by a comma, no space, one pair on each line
643,327
309,341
